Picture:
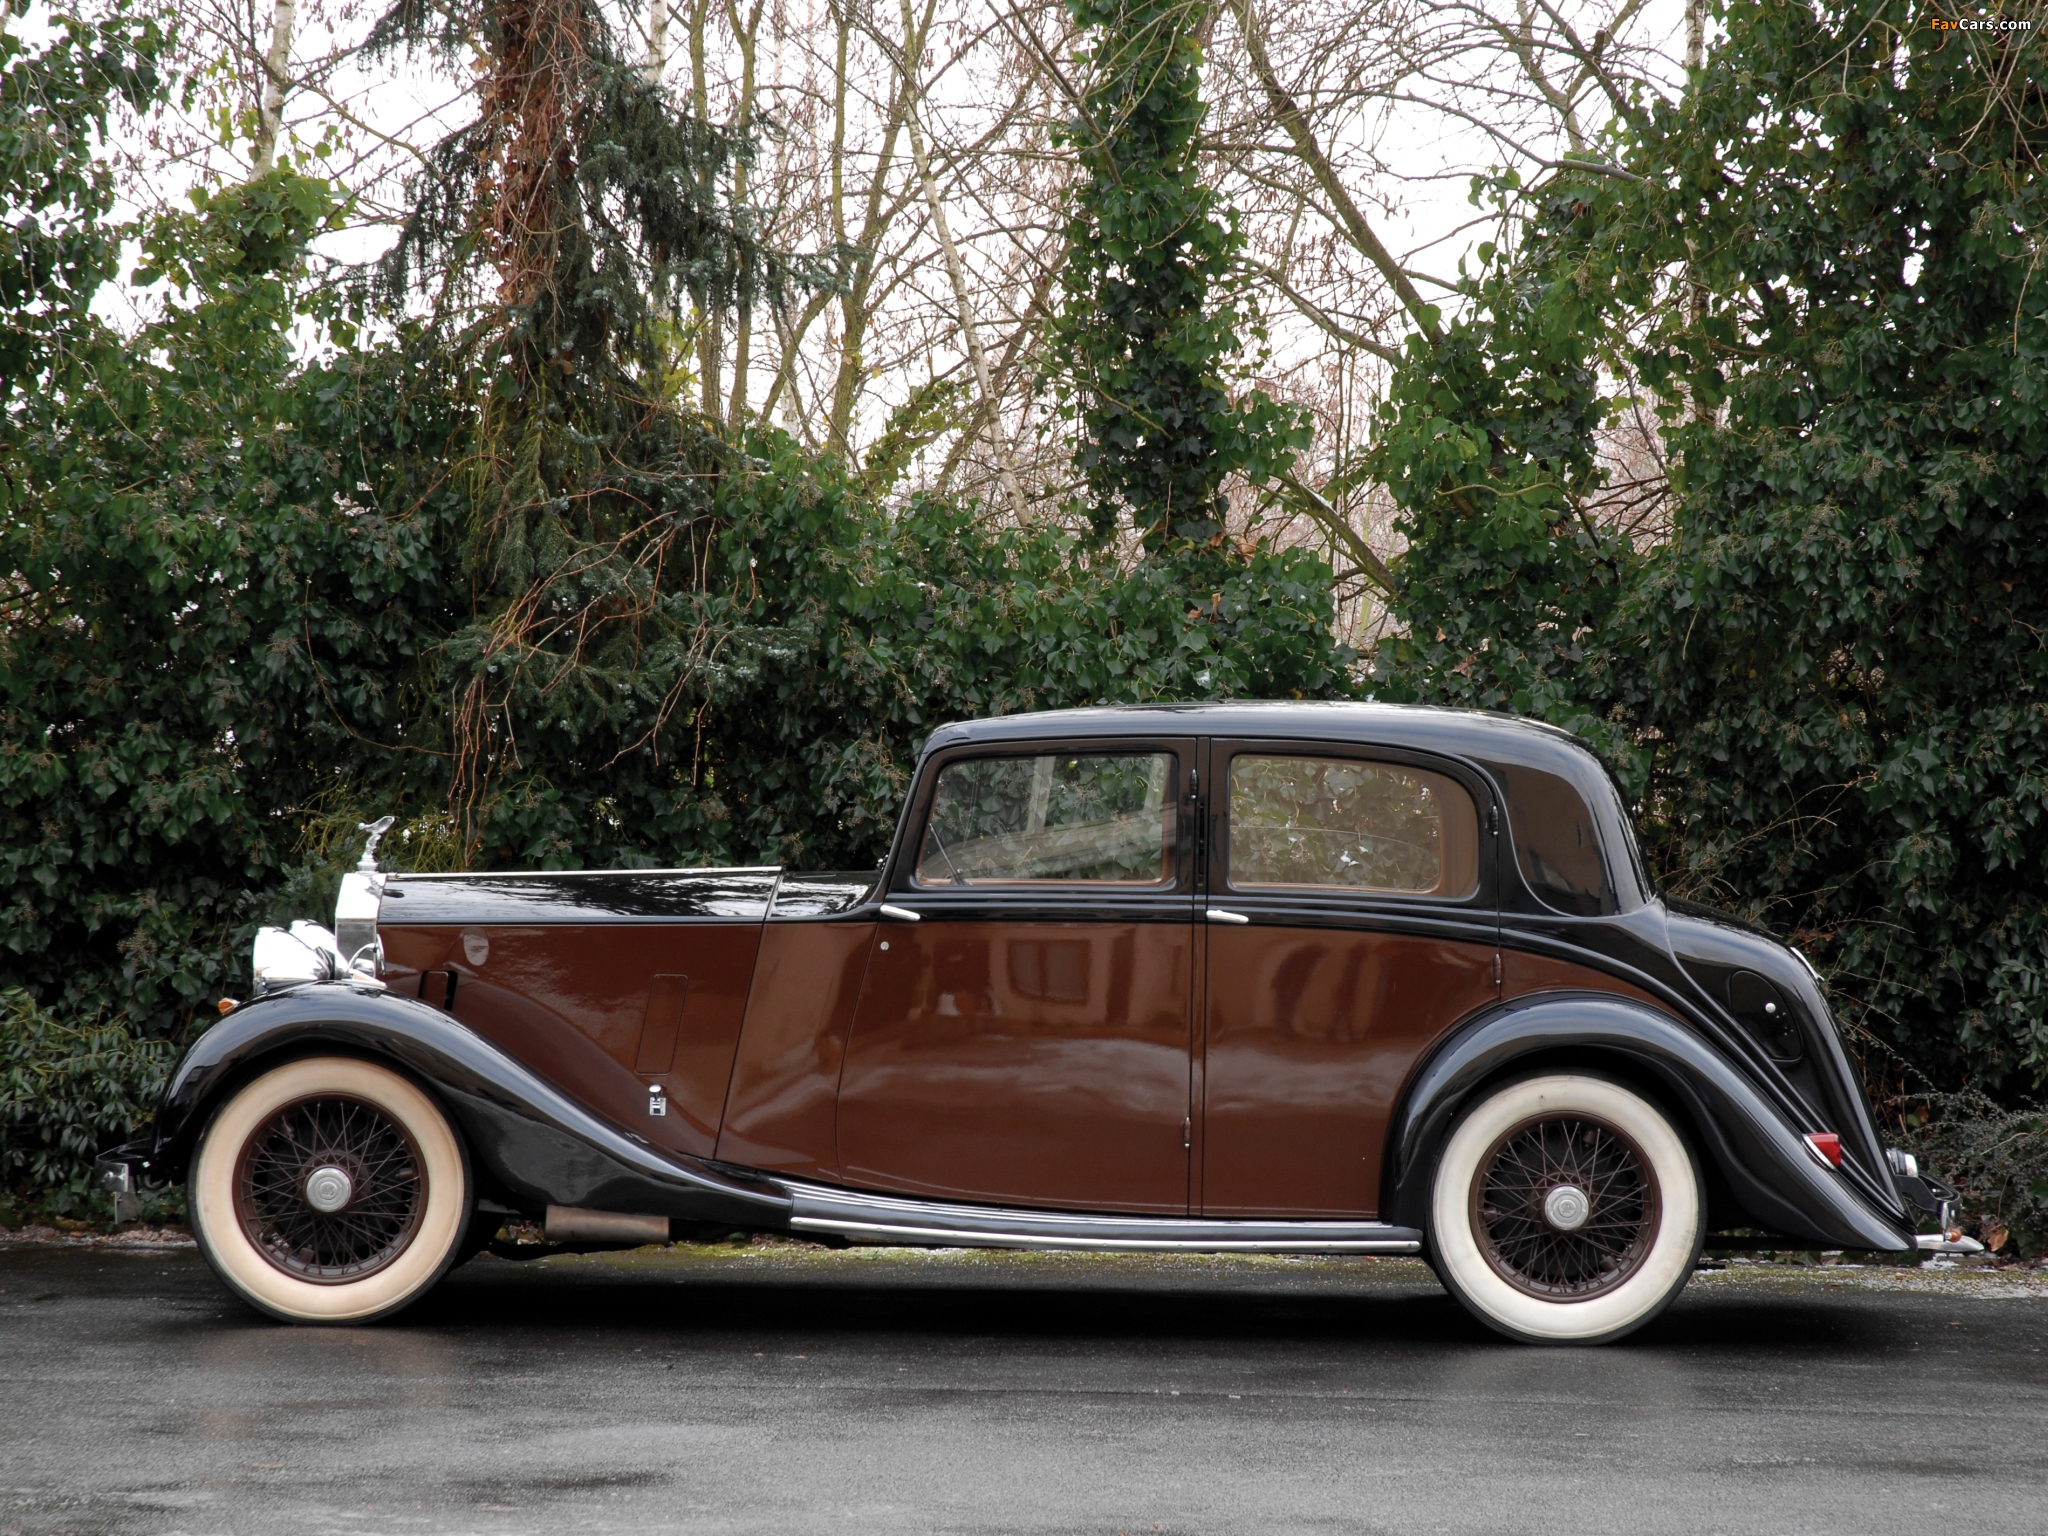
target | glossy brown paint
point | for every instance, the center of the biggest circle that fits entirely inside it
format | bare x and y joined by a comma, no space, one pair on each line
781,1112
1032,1063
1310,1035
1523,973
573,1003
662,1025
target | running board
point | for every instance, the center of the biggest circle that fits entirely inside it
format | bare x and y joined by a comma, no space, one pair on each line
937,1223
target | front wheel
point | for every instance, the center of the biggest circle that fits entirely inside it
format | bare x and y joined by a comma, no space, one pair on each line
330,1190
1565,1209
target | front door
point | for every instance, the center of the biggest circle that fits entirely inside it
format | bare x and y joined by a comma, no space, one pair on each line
1028,1040
1350,923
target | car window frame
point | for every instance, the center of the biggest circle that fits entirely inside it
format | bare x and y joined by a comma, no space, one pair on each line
1485,807
917,816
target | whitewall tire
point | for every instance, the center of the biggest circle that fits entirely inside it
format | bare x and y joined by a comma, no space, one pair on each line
330,1190
1565,1209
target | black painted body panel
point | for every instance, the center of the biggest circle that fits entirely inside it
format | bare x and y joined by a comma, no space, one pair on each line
581,896
1757,1151
529,1142
1715,951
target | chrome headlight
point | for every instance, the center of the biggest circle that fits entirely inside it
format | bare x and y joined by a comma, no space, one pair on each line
351,951
291,958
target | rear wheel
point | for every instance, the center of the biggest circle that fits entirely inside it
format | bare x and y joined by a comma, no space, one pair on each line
330,1190
1566,1209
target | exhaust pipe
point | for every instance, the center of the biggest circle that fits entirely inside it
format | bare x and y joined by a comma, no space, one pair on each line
570,1224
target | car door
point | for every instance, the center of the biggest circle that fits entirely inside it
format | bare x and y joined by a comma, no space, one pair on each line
1027,1041
1350,921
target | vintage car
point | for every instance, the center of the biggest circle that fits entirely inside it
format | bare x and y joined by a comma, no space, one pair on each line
1272,978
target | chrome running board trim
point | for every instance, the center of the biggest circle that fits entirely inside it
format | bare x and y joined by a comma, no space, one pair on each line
939,1223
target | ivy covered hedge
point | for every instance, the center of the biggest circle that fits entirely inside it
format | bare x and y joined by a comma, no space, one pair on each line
550,617
256,599
1829,686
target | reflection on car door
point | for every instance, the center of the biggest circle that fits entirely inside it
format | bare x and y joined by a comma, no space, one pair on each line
1028,1042
1368,931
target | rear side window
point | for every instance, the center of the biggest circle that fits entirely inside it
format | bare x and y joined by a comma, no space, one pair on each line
1350,825
1557,843
1058,817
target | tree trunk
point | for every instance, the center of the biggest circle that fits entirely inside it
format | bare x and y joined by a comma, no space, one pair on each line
746,31
710,334
969,332
657,40
276,66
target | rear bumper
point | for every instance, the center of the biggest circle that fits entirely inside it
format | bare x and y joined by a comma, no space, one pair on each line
1927,1196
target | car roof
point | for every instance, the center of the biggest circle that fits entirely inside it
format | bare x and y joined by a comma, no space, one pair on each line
1492,741
1418,727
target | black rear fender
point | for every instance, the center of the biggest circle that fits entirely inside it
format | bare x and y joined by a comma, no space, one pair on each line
1753,1152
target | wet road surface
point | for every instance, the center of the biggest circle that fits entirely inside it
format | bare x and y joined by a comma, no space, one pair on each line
795,1390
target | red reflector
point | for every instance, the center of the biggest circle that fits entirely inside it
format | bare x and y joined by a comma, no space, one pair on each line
1827,1146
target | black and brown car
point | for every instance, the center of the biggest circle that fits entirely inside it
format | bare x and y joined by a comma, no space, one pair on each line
1273,978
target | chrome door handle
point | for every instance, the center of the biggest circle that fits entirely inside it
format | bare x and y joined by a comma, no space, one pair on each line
902,915
1218,915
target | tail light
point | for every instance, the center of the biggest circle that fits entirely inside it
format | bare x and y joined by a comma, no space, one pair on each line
1826,1146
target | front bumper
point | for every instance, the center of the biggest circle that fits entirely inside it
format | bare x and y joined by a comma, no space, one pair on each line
122,1173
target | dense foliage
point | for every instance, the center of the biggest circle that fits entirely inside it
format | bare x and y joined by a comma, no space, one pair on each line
1155,315
257,598
1831,685
493,575
1996,1158
1507,587
65,1092
56,246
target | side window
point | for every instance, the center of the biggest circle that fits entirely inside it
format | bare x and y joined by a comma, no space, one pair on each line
1350,825
1557,843
1061,817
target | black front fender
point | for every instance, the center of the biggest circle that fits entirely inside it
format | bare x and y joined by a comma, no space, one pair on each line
536,1144
1759,1153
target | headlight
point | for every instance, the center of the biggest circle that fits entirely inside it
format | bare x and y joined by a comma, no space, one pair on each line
305,953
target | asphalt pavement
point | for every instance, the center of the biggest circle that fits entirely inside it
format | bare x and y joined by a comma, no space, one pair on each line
791,1389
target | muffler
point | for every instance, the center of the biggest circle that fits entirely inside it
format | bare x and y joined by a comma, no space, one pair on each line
570,1224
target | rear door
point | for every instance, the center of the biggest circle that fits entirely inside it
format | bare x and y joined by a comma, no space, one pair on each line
1350,921
1028,1041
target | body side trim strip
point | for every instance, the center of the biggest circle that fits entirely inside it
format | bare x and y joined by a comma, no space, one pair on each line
849,1213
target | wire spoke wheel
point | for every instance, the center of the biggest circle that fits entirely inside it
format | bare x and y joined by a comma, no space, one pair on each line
330,1189
1565,1207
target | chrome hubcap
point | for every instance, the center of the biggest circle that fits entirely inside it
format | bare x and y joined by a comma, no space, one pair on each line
328,1189
1566,1208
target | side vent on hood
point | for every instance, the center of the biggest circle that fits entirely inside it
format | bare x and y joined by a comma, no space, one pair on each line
1767,1014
